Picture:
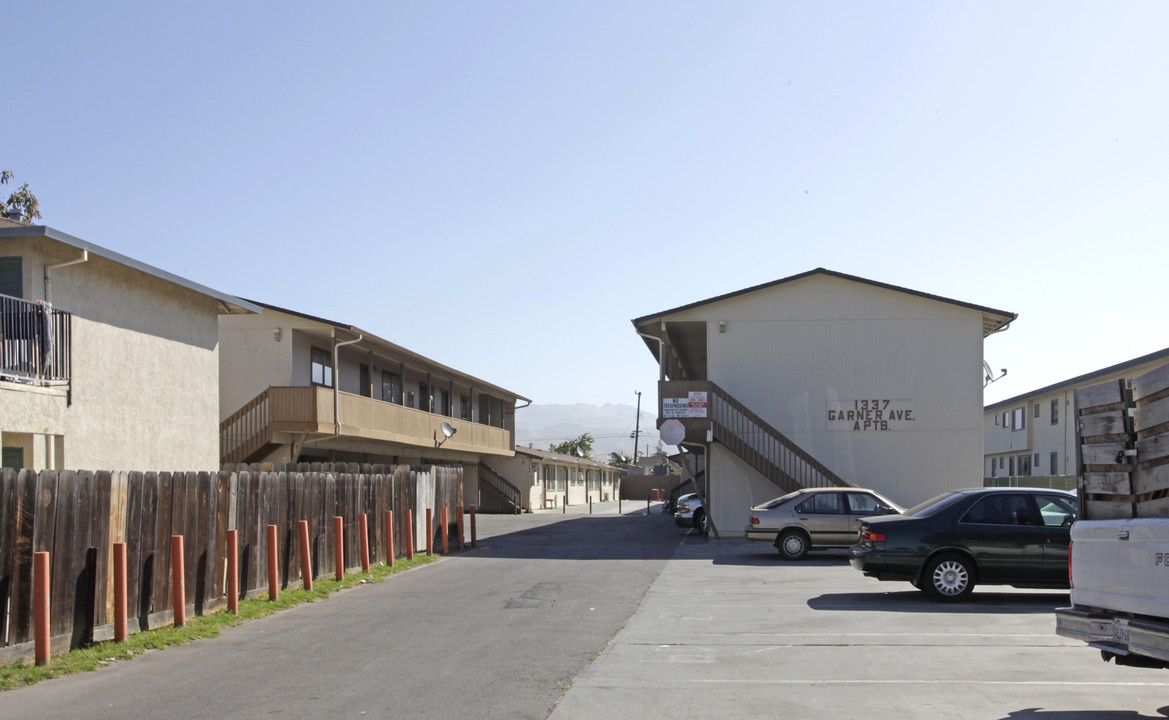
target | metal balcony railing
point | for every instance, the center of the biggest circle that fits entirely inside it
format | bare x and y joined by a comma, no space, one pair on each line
35,342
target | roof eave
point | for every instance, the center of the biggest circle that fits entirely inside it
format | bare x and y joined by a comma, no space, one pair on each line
232,305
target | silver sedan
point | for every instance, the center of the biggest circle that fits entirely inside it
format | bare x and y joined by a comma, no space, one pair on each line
813,519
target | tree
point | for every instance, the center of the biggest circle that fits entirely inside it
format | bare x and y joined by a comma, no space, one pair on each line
21,200
616,458
584,443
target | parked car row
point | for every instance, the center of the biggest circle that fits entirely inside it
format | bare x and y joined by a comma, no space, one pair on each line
944,546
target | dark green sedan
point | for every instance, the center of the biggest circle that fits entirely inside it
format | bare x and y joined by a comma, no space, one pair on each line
991,536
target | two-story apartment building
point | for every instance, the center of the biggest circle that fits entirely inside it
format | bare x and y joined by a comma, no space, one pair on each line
549,479
299,388
106,363
823,379
1034,435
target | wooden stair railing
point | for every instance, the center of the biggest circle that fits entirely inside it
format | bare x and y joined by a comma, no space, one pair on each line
766,449
245,431
510,493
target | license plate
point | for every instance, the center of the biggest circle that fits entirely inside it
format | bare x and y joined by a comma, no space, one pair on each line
1120,631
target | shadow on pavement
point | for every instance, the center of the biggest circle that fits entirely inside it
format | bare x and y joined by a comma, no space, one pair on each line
915,601
1039,714
584,537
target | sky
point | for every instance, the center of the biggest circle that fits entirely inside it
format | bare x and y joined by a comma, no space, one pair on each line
503,186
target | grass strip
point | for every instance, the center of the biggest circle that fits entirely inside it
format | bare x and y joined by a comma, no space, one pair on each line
92,657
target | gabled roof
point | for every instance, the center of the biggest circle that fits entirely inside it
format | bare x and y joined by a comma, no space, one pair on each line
393,348
992,320
232,304
1083,380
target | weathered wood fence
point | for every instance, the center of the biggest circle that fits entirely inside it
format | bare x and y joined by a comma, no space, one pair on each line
76,516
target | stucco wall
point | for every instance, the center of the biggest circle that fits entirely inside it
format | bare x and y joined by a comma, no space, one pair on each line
792,352
251,358
145,367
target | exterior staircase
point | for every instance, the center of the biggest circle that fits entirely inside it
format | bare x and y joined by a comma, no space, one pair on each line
499,489
767,450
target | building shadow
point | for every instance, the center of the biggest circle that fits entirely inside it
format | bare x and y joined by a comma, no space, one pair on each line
914,601
1042,714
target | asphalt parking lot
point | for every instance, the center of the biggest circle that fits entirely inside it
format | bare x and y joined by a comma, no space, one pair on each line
730,631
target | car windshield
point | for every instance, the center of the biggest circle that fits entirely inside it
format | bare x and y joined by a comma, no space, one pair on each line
773,503
933,505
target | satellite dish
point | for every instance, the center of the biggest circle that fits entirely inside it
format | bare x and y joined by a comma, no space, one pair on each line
448,429
672,431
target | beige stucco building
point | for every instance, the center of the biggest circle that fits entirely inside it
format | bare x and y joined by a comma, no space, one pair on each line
298,388
549,479
106,363
1033,435
823,379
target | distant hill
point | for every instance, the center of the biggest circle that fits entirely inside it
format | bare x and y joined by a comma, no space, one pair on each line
611,426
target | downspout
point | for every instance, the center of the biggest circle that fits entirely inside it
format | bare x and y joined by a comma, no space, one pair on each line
661,354
337,382
48,280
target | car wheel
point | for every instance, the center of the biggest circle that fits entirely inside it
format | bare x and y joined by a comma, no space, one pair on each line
949,578
700,523
792,544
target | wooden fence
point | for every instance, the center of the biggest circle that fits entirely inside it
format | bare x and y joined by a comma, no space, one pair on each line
76,516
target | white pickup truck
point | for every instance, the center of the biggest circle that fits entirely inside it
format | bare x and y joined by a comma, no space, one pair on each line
1119,560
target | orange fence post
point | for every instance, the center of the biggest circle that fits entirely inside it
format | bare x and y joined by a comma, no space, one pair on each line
40,605
459,523
429,531
273,565
177,575
389,520
339,547
409,534
472,526
364,528
119,591
446,531
306,563
233,572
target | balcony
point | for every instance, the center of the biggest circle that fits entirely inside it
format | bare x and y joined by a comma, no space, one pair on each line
35,342
279,415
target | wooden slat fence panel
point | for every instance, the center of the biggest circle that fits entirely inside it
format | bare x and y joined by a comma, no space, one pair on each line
78,515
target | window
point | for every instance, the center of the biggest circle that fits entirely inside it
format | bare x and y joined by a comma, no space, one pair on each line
997,420
391,387
829,502
1024,465
11,280
1036,409
409,398
1035,460
464,408
1054,464
425,399
862,503
322,369
1055,412
1019,419
1002,464
1056,510
12,457
444,404
1012,509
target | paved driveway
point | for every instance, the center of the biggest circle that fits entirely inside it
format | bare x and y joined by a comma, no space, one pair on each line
730,631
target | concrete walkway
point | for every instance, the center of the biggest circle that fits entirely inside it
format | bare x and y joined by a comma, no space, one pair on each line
730,631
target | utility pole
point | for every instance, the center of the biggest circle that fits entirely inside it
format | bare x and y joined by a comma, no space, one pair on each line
636,428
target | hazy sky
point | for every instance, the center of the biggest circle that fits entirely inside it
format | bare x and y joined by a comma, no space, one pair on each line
502,186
